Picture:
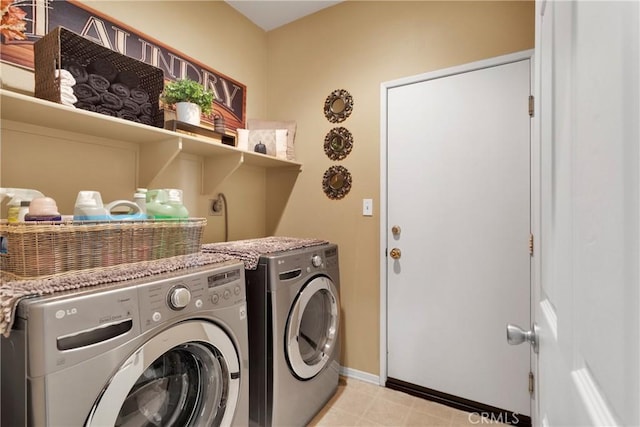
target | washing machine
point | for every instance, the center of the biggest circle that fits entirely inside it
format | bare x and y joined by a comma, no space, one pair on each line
167,350
294,340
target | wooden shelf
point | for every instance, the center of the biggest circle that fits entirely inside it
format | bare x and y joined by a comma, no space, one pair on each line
158,147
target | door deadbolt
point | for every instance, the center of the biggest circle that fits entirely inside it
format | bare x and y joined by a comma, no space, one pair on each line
516,335
395,253
395,230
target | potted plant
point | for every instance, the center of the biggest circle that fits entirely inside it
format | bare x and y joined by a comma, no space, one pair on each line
190,98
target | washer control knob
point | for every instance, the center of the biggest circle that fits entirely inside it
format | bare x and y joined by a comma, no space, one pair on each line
215,298
226,294
237,290
179,297
316,261
156,316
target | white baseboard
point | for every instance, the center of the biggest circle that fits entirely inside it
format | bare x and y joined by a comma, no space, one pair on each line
360,375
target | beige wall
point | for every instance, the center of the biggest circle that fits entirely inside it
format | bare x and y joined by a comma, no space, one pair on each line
61,165
288,72
356,46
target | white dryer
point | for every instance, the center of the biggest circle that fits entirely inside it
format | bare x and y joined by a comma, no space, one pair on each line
294,339
169,350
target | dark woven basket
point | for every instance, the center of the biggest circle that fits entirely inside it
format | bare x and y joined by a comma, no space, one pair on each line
61,47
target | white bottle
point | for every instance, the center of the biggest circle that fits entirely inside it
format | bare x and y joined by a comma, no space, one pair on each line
24,209
89,207
17,210
140,199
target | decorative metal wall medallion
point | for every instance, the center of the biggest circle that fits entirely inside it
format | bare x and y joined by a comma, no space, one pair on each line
336,182
338,106
338,143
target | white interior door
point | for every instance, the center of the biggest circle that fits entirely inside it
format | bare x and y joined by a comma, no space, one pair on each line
587,60
458,186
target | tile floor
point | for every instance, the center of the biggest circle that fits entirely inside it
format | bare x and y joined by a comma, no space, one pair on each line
359,403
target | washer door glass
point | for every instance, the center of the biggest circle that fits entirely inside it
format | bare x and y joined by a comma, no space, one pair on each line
312,329
171,391
187,375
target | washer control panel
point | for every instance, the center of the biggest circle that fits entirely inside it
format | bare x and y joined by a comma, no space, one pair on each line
204,290
179,297
316,261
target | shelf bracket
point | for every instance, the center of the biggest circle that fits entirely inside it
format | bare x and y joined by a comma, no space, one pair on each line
219,168
155,157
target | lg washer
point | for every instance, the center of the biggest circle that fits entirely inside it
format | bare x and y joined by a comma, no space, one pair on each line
294,347
169,350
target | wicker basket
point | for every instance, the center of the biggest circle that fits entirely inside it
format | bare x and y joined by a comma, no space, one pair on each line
61,47
49,248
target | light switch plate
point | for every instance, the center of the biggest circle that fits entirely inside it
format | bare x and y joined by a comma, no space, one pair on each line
367,207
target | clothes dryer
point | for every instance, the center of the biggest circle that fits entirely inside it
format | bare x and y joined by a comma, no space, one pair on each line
167,350
294,340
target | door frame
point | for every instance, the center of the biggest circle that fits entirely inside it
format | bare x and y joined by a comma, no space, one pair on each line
384,227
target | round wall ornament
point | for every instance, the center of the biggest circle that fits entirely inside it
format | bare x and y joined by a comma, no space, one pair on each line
338,143
336,182
338,106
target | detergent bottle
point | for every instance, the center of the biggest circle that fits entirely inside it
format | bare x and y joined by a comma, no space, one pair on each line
134,211
175,202
89,207
19,203
166,204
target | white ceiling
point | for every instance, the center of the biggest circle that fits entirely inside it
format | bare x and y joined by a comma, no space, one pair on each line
270,14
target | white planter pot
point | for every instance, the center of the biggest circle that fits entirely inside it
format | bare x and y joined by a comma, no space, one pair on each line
188,112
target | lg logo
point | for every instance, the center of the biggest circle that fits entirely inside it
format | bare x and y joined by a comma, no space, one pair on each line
61,313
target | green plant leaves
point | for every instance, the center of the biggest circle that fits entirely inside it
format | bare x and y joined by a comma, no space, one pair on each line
186,90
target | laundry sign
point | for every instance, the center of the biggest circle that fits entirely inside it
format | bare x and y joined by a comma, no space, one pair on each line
23,22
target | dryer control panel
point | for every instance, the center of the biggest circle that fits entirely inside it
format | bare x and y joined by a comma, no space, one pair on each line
293,266
188,294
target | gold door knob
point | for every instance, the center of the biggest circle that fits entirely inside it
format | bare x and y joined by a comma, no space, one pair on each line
395,253
395,229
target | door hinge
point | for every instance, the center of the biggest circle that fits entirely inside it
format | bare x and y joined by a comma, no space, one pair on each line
531,105
531,244
531,383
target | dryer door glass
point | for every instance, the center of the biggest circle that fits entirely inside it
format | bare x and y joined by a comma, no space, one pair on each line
183,387
313,328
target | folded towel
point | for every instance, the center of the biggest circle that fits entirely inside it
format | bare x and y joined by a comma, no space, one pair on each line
67,90
111,101
103,68
66,78
119,89
123,114
139,95
78,72
105,110
86,93
146,109
130,106
128,78
85,106
145,119
98,82
68,99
